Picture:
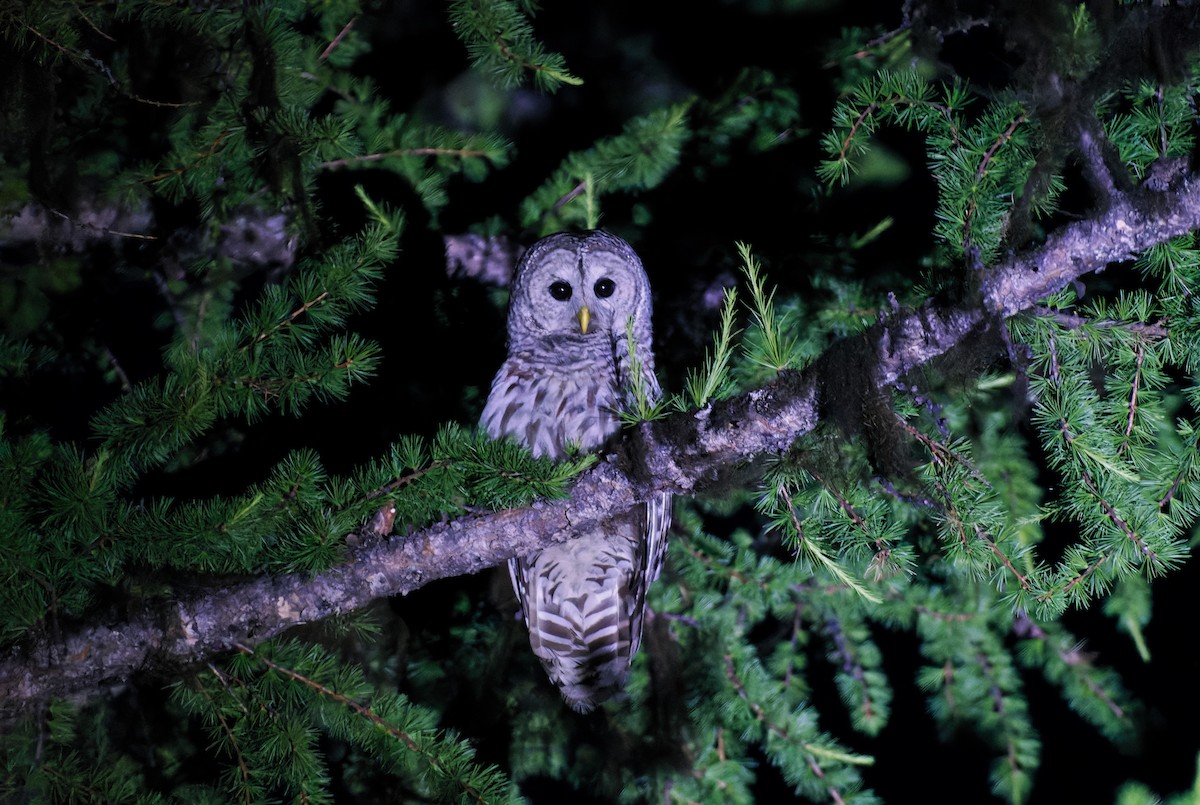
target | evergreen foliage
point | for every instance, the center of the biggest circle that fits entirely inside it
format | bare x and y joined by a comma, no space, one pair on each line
501,42
253,191
638,158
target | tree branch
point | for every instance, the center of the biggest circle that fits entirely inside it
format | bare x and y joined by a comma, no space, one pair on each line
684,454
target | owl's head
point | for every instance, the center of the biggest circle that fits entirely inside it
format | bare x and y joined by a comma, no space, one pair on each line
588,285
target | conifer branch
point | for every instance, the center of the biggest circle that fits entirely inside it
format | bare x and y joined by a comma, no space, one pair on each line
376,720
980,176
215,147
1121,524
230,735
465,153
814,753
682,454
500,41
940,453
809,546
337,40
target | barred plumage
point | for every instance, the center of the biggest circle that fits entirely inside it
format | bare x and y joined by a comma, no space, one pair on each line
566,376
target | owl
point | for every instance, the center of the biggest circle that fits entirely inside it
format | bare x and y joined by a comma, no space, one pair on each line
575,300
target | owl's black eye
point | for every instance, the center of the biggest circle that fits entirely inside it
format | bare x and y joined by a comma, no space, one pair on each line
605,288
560,290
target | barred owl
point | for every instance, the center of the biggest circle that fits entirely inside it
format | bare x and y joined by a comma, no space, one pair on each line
567,376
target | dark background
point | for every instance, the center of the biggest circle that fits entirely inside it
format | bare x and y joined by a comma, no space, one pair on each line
440,357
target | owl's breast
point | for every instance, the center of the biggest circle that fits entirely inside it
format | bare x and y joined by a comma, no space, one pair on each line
546,406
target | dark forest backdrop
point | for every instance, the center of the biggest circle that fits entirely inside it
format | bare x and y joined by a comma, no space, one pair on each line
935,518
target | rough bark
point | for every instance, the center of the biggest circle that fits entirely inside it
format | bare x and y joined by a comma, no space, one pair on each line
683,454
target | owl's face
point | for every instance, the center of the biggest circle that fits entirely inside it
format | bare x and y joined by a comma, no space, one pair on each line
587,285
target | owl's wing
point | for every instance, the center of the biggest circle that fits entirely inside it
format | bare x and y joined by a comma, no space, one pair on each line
658,523
654,551
516,574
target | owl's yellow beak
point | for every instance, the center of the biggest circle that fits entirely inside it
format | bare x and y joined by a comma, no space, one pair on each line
585,318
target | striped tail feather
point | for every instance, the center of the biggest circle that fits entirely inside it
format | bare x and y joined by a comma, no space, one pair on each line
582,602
